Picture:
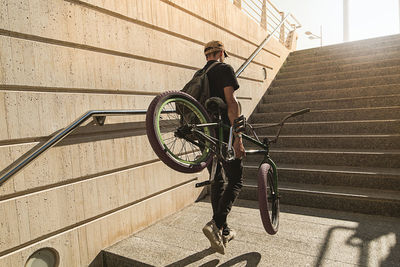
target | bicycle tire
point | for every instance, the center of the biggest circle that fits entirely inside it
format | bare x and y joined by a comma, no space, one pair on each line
176,152
268,200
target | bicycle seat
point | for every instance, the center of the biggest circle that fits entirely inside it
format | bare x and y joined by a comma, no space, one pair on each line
215,105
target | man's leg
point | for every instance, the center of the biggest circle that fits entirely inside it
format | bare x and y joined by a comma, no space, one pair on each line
210,230
217,188
233,171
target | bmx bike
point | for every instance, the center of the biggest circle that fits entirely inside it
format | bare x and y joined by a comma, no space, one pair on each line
185,137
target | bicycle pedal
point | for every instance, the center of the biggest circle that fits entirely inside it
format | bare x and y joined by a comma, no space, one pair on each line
203,184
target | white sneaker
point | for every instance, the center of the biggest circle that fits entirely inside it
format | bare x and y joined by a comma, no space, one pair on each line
214,235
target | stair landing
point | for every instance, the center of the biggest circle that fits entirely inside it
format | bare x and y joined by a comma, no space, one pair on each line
307,237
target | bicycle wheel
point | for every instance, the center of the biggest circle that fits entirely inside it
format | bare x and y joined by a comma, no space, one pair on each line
169,119
268,199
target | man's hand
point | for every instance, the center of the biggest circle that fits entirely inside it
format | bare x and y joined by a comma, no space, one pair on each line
239,148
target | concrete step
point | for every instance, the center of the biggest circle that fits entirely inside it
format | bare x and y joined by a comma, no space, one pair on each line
393,48
311,65
274,96
306,237
368,201
362,177
335,127
371,142
287,74
327,104
340,84
378,113
334,76
376,42
332,157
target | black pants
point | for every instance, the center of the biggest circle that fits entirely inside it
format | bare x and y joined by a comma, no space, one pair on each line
224,194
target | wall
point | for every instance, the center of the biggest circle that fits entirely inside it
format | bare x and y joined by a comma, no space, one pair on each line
61,58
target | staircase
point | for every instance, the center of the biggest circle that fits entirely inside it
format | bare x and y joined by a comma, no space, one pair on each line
345,153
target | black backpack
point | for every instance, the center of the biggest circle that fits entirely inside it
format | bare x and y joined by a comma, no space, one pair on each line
199,88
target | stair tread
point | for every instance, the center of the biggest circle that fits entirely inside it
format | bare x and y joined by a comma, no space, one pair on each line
373,40
330,90
335,169
331,99
346,80
333,135
326,122
341,191
333,74
344,65
348,55
352,52
315,110
338,48
334,151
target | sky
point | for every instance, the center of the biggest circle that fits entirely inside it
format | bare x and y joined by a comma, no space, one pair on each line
367,19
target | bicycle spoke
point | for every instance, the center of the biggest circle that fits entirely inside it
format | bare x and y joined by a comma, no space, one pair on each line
183,150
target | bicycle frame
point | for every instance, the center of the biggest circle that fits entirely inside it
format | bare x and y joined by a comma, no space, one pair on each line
218,143
217,147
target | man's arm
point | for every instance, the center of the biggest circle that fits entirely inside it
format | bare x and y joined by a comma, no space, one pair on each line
233,113
233,106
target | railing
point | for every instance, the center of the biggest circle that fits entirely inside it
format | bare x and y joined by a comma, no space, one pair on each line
98,115
269,17
258,49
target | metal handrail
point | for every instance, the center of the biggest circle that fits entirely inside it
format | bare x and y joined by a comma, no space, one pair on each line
258,49
100,116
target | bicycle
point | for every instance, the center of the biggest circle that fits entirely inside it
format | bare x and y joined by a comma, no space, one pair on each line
183,135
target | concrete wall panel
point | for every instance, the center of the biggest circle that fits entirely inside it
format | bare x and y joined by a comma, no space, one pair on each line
60,207
46,113
73,162
79,245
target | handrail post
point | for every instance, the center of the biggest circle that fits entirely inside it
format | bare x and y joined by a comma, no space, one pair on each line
282,30
263,22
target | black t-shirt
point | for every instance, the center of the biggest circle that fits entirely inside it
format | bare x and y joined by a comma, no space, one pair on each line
220,76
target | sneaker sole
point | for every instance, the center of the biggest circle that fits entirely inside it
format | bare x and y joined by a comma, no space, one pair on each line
226,241
214,246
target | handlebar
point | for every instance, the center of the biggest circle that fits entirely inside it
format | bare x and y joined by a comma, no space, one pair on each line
300,112
282,122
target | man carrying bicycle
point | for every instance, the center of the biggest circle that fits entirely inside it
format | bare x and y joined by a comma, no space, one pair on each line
223,84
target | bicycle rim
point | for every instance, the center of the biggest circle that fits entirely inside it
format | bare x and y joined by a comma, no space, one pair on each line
180,149
170,135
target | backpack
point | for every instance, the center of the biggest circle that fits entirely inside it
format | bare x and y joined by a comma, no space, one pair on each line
199,88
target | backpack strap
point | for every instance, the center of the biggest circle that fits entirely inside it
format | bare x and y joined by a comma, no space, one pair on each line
212,65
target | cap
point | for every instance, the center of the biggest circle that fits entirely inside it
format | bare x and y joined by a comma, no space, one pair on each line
214,46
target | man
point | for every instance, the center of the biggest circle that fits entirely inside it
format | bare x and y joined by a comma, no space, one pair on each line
223,83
